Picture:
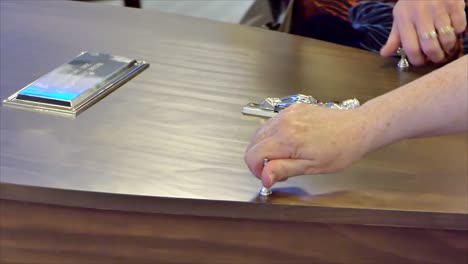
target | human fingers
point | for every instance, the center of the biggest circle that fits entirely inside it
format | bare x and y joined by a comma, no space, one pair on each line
281,169
447,36
269,149
443,24
393,42
428,37
410,41
457,15
266,129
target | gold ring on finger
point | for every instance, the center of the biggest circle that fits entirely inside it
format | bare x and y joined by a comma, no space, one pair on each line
429,35
446,30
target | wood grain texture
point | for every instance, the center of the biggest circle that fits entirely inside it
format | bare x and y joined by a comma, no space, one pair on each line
176,131
73,235
261,208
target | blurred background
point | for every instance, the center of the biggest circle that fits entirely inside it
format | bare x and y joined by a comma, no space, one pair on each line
248,12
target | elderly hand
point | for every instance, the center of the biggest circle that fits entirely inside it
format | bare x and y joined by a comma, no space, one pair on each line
426,29
305,139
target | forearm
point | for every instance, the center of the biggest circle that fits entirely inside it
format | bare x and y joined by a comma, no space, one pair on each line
435,104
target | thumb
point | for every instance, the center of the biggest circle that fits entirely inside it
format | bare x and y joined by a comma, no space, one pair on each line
393,42
281,169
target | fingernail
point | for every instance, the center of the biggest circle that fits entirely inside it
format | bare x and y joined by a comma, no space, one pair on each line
267,180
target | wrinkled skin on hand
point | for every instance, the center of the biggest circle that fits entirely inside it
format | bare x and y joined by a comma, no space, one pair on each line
304,140
413,18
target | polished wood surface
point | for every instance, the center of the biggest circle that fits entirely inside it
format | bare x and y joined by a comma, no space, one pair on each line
175,131
98,236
